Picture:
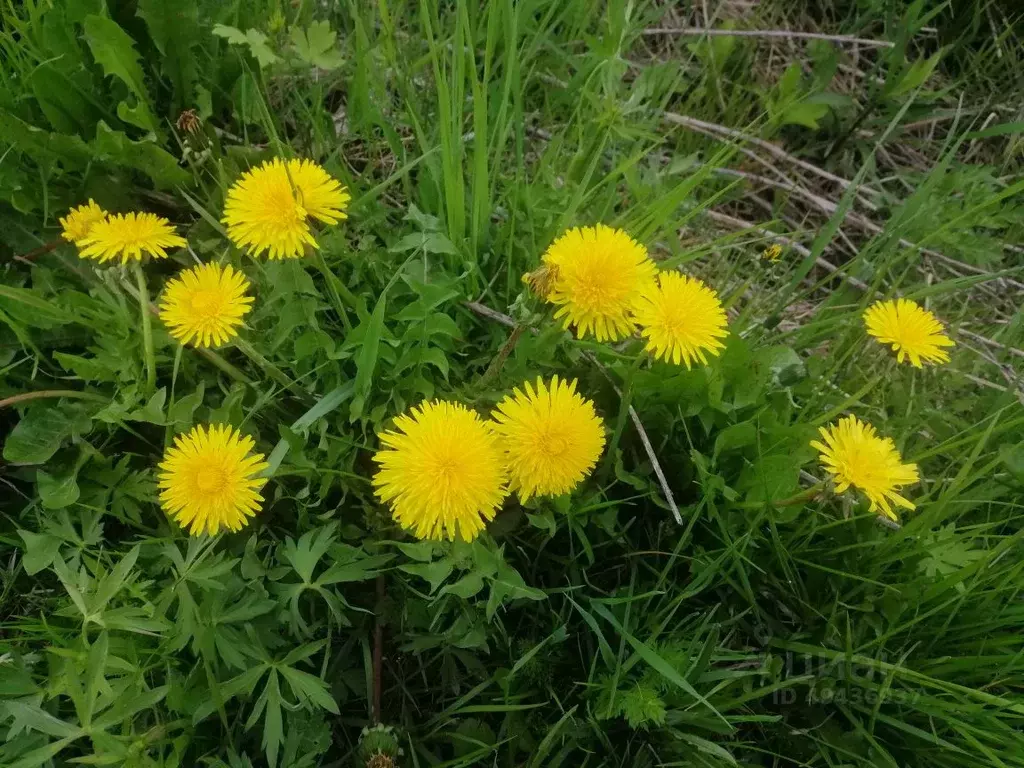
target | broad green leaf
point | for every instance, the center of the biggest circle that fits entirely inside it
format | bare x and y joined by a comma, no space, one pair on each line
804,113
468,586
315,45
307,552
771,478
508,584
40,433
435,573
145,156
179,415
735,436
57,492
114,50
86,368
40,551
255,40
32,309
421,551
116,580
153,410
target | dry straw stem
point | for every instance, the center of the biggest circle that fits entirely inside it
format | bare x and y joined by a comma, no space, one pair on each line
735,223
498,317
778,33
719,131
829,207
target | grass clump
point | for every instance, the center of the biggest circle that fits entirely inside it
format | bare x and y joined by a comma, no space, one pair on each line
642,561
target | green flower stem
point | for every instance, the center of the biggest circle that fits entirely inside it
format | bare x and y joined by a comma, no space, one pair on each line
337,290
797,498
225,366
147,327
269,368
626,400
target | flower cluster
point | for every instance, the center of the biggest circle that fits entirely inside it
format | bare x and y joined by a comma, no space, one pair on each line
603,282
210,478
445,471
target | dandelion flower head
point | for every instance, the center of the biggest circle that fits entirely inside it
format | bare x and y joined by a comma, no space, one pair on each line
268,209
853,453
79,221
552,437
129,236
599,274
209,479
682,320
913,332
441,471
772,253
205,305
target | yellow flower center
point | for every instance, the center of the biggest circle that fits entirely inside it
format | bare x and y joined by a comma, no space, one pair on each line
597,286
211,480
552,444
207,304
865,465
286,209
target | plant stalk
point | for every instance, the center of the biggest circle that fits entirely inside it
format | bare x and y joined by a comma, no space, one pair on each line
620,422
147,328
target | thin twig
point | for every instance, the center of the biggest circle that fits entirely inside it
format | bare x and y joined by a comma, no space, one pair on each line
645,441
829,208
36,252
732,221
991,342
783,33
719,131
49,393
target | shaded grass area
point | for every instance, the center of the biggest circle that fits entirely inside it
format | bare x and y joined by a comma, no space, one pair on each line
774,626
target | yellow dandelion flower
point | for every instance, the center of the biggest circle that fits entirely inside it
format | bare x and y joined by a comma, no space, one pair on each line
772,253
913,331
209,479
442,472
856,456
129,236
79,221
598,274
551,435
205,305
682,319
269,208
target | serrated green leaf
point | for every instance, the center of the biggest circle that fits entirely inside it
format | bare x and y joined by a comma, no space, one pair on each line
174,27
315,45
367,360
307,686
145,155
114,50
